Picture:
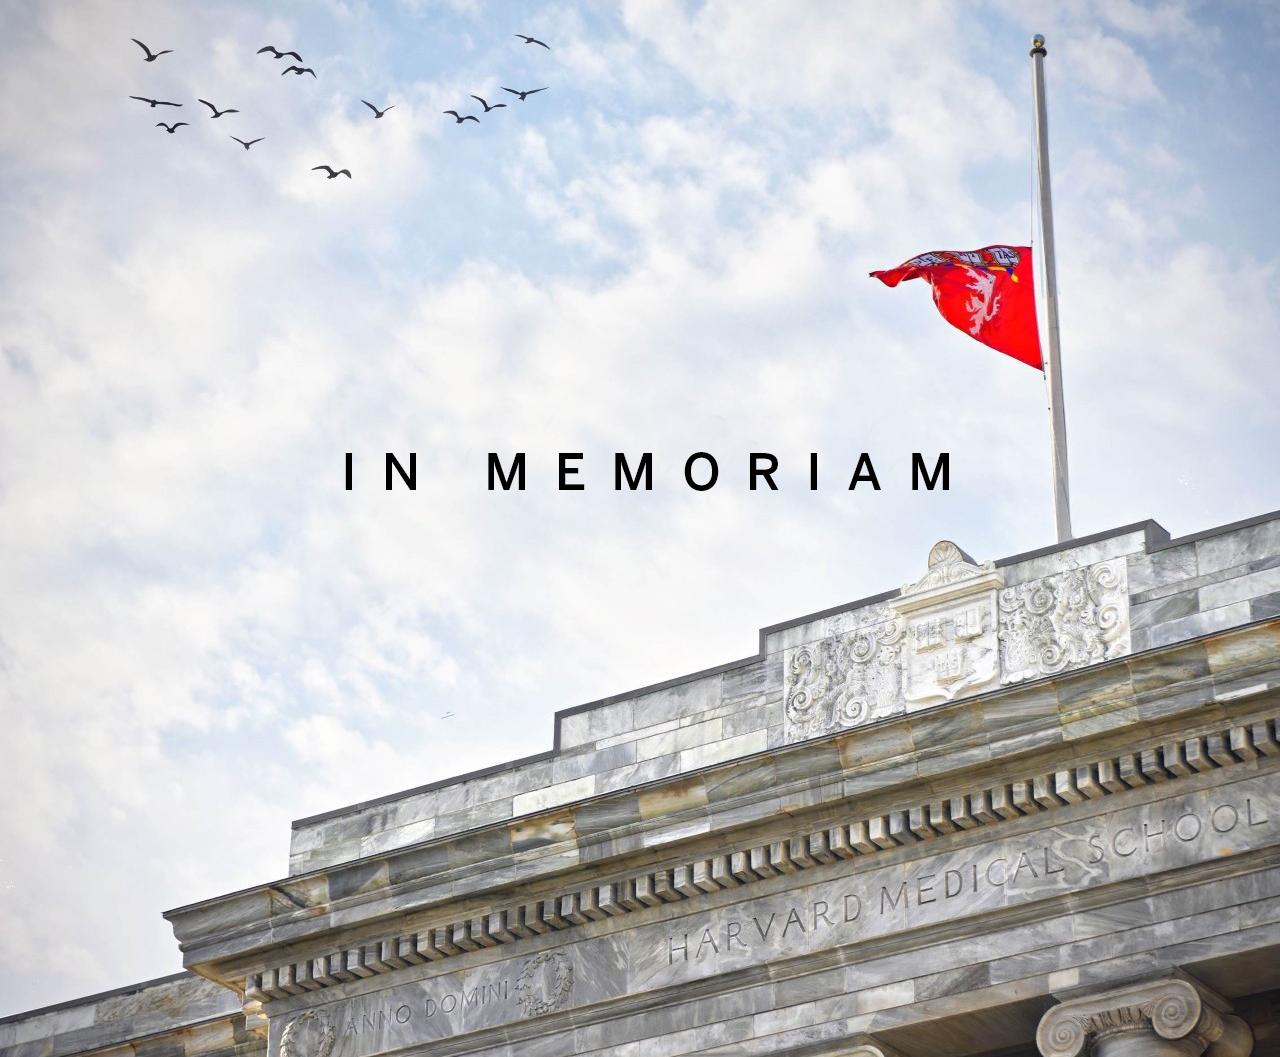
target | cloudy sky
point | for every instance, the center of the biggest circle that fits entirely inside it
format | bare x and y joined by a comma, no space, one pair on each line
204,636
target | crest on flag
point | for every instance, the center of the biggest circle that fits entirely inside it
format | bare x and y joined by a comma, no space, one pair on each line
987,293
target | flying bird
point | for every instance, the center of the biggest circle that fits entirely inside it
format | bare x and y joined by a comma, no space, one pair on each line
298,71
531,91
532,40
277,54
459,118
216,111
330,171
376,112
154,102
486,106
151,55
446,715
171,129
251,142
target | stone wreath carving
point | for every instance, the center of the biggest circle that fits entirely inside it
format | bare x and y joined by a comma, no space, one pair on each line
309,1035
847,680
1067,620
545,983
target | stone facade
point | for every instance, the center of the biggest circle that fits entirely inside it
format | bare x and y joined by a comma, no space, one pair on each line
1016,807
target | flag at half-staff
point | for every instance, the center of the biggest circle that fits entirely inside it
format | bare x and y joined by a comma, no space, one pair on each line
987,293
990,295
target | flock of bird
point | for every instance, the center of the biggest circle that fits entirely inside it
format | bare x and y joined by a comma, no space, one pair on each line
298,71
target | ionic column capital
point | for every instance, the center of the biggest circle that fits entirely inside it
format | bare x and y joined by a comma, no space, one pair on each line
1173,1015
866,1046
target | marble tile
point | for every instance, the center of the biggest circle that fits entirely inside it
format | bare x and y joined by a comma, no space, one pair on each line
1265,607
679,739
715,752
751,681
1239,547
1240,588
678,701
553,795
1161,568
1181,604
1199,624
592,761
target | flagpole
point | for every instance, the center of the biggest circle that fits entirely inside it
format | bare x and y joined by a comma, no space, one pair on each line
1052,362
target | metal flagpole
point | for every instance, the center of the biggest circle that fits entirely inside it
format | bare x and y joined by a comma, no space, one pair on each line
1052,361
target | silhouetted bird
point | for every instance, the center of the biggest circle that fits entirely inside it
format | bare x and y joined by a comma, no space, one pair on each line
151,56
531,91
532,40
376,112
459,118
486,106
153,102
216,111
298,71
277,54
171,129
332,174
251,142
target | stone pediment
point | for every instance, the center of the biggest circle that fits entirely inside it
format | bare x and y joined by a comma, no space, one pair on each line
958,631
950,570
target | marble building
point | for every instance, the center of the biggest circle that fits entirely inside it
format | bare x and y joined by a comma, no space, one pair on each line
1015,807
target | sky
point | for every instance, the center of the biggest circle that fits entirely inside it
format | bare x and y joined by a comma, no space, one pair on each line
204,635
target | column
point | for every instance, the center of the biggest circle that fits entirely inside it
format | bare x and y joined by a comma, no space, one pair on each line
866,1046
1171,1015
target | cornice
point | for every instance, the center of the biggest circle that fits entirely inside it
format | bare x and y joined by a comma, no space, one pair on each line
987,806
1137,700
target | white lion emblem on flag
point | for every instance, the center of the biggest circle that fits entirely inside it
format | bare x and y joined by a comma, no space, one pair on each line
985,303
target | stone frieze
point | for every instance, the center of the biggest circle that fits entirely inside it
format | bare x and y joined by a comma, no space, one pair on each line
828,909
546,983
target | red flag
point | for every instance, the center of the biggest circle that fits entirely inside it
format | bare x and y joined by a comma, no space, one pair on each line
987,293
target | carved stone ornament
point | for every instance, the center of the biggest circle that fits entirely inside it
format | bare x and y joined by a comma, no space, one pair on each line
948,566
955,632
1067,620
544,983
1190,1018
846,680
311,1034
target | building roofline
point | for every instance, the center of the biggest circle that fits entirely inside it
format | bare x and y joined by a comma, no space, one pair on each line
284,882
88,1000
1233,526
1156,538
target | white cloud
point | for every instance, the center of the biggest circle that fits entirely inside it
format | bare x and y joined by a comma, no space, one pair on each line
1110,68
665,252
